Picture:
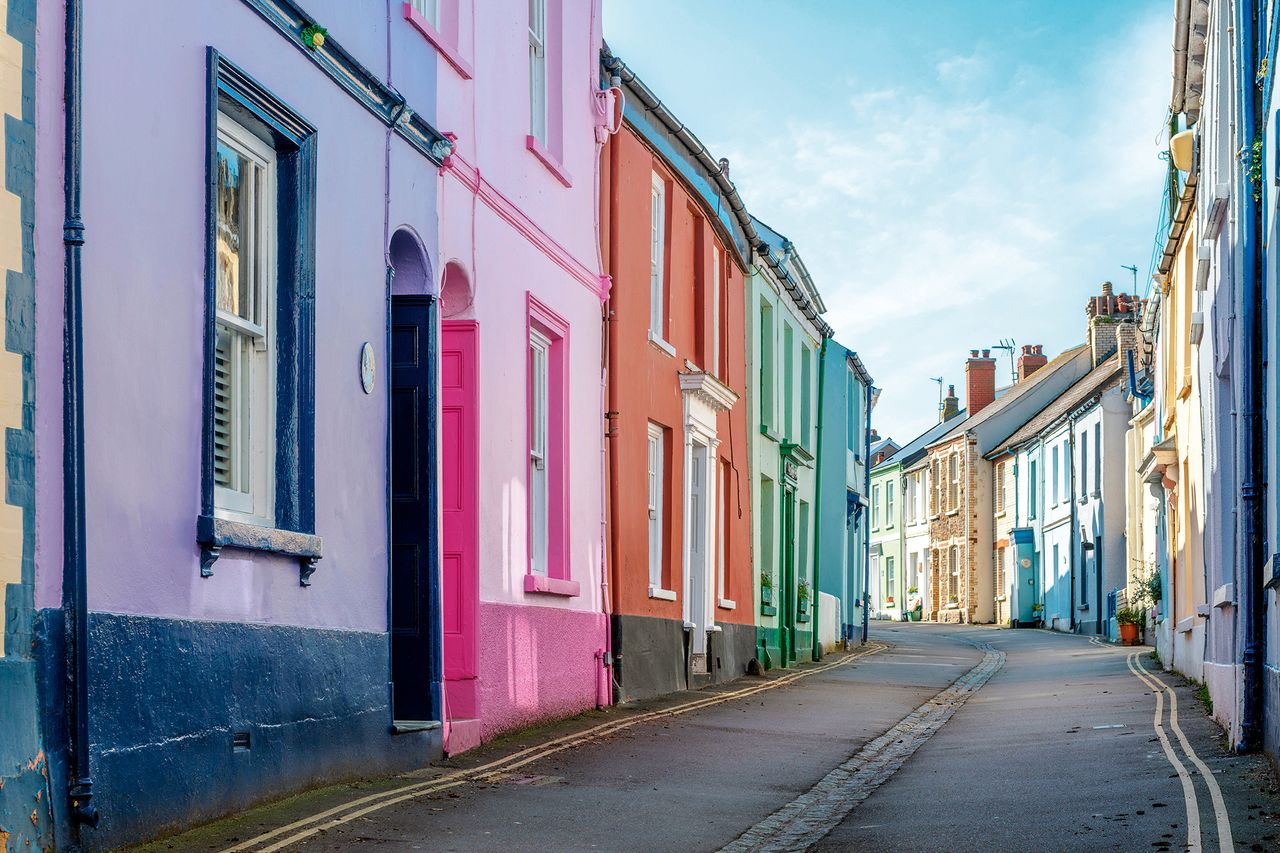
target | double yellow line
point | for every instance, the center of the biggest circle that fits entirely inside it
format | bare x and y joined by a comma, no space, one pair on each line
1157,686
298,831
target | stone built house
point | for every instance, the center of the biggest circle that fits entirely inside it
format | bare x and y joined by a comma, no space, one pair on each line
961,524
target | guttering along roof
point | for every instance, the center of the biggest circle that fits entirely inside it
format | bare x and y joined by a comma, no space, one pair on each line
858,367
692,147
1093,382
804,292
716,181
915,449
1016,393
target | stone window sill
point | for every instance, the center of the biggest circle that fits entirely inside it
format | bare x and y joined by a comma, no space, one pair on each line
214,534
543,585
441,44
550,161
727,604
661,344
660,593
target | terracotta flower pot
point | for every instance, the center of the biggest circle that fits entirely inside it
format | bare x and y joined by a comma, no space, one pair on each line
1129,635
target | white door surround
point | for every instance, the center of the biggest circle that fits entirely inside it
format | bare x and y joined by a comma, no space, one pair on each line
704,397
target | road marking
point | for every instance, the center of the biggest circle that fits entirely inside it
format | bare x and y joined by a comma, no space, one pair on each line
807,819
339,814
1223,818
1188,790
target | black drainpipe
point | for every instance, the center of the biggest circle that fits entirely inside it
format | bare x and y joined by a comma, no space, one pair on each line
74,579
1252,444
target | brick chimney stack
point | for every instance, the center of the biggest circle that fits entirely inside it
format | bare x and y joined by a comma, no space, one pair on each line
950,405
1112,323
1031,360
980,381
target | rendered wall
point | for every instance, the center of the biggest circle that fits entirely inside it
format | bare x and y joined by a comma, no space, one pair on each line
321,696
25,816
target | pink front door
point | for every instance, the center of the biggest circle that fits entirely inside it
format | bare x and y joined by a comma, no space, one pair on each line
459,459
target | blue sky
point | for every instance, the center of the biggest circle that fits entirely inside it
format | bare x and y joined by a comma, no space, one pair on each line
953,173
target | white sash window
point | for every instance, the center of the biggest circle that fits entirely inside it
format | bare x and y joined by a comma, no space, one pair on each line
538,70
657,485
244,354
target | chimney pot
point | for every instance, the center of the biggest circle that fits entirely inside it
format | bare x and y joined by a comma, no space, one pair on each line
1106,288
973,353
986,353
980,382
1031,360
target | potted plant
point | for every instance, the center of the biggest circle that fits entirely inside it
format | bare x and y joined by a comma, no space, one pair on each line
1129,619
889,602
802,601
766,589
1037,611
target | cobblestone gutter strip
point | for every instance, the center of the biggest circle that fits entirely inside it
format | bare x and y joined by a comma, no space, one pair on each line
807,819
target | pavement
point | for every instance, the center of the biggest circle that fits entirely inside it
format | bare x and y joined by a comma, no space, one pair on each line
931,738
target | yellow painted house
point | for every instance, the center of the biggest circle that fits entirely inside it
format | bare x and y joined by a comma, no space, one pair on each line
1174,463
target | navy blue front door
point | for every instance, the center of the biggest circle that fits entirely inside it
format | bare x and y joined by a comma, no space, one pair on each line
415,644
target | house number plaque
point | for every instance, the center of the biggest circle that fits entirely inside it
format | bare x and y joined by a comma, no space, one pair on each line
366,367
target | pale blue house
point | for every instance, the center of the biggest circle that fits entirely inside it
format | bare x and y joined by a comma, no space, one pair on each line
846,398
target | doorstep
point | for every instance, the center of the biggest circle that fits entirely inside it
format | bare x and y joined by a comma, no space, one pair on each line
462,735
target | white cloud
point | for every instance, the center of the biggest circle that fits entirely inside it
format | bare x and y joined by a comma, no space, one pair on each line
935,220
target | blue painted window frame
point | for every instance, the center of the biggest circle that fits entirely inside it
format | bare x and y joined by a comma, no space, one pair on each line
233,92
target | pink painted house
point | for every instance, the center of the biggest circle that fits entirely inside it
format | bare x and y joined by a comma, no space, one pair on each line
521,290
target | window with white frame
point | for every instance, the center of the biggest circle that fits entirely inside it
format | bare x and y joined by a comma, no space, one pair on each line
657,256
538,70
876,508
429,9
889,517
1084,463
722,499
954,562
657,485
1097,456
244,347
715,310
1054,458
539,407
953,492
890,579
1000,490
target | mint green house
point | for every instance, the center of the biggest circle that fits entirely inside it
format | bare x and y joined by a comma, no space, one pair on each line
786,330
885,590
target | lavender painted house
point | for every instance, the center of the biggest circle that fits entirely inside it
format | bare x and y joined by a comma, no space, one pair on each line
243,603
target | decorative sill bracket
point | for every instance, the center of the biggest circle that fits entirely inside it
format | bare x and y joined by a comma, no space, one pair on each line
215,533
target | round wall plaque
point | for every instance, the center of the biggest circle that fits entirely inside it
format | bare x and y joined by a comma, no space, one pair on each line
366,367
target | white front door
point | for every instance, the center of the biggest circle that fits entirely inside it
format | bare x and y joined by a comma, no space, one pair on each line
698,586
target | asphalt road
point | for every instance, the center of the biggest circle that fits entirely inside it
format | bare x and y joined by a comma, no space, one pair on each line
1046,742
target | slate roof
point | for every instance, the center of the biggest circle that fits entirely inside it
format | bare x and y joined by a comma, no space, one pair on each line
915,448
1016,393
1087,385
879,445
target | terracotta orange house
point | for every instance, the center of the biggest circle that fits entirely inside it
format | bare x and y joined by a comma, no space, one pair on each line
679,523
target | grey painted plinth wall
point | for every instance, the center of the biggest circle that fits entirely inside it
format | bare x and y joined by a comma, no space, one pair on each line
169,697
651,657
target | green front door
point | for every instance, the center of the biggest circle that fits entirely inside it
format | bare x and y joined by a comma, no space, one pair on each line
787,608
